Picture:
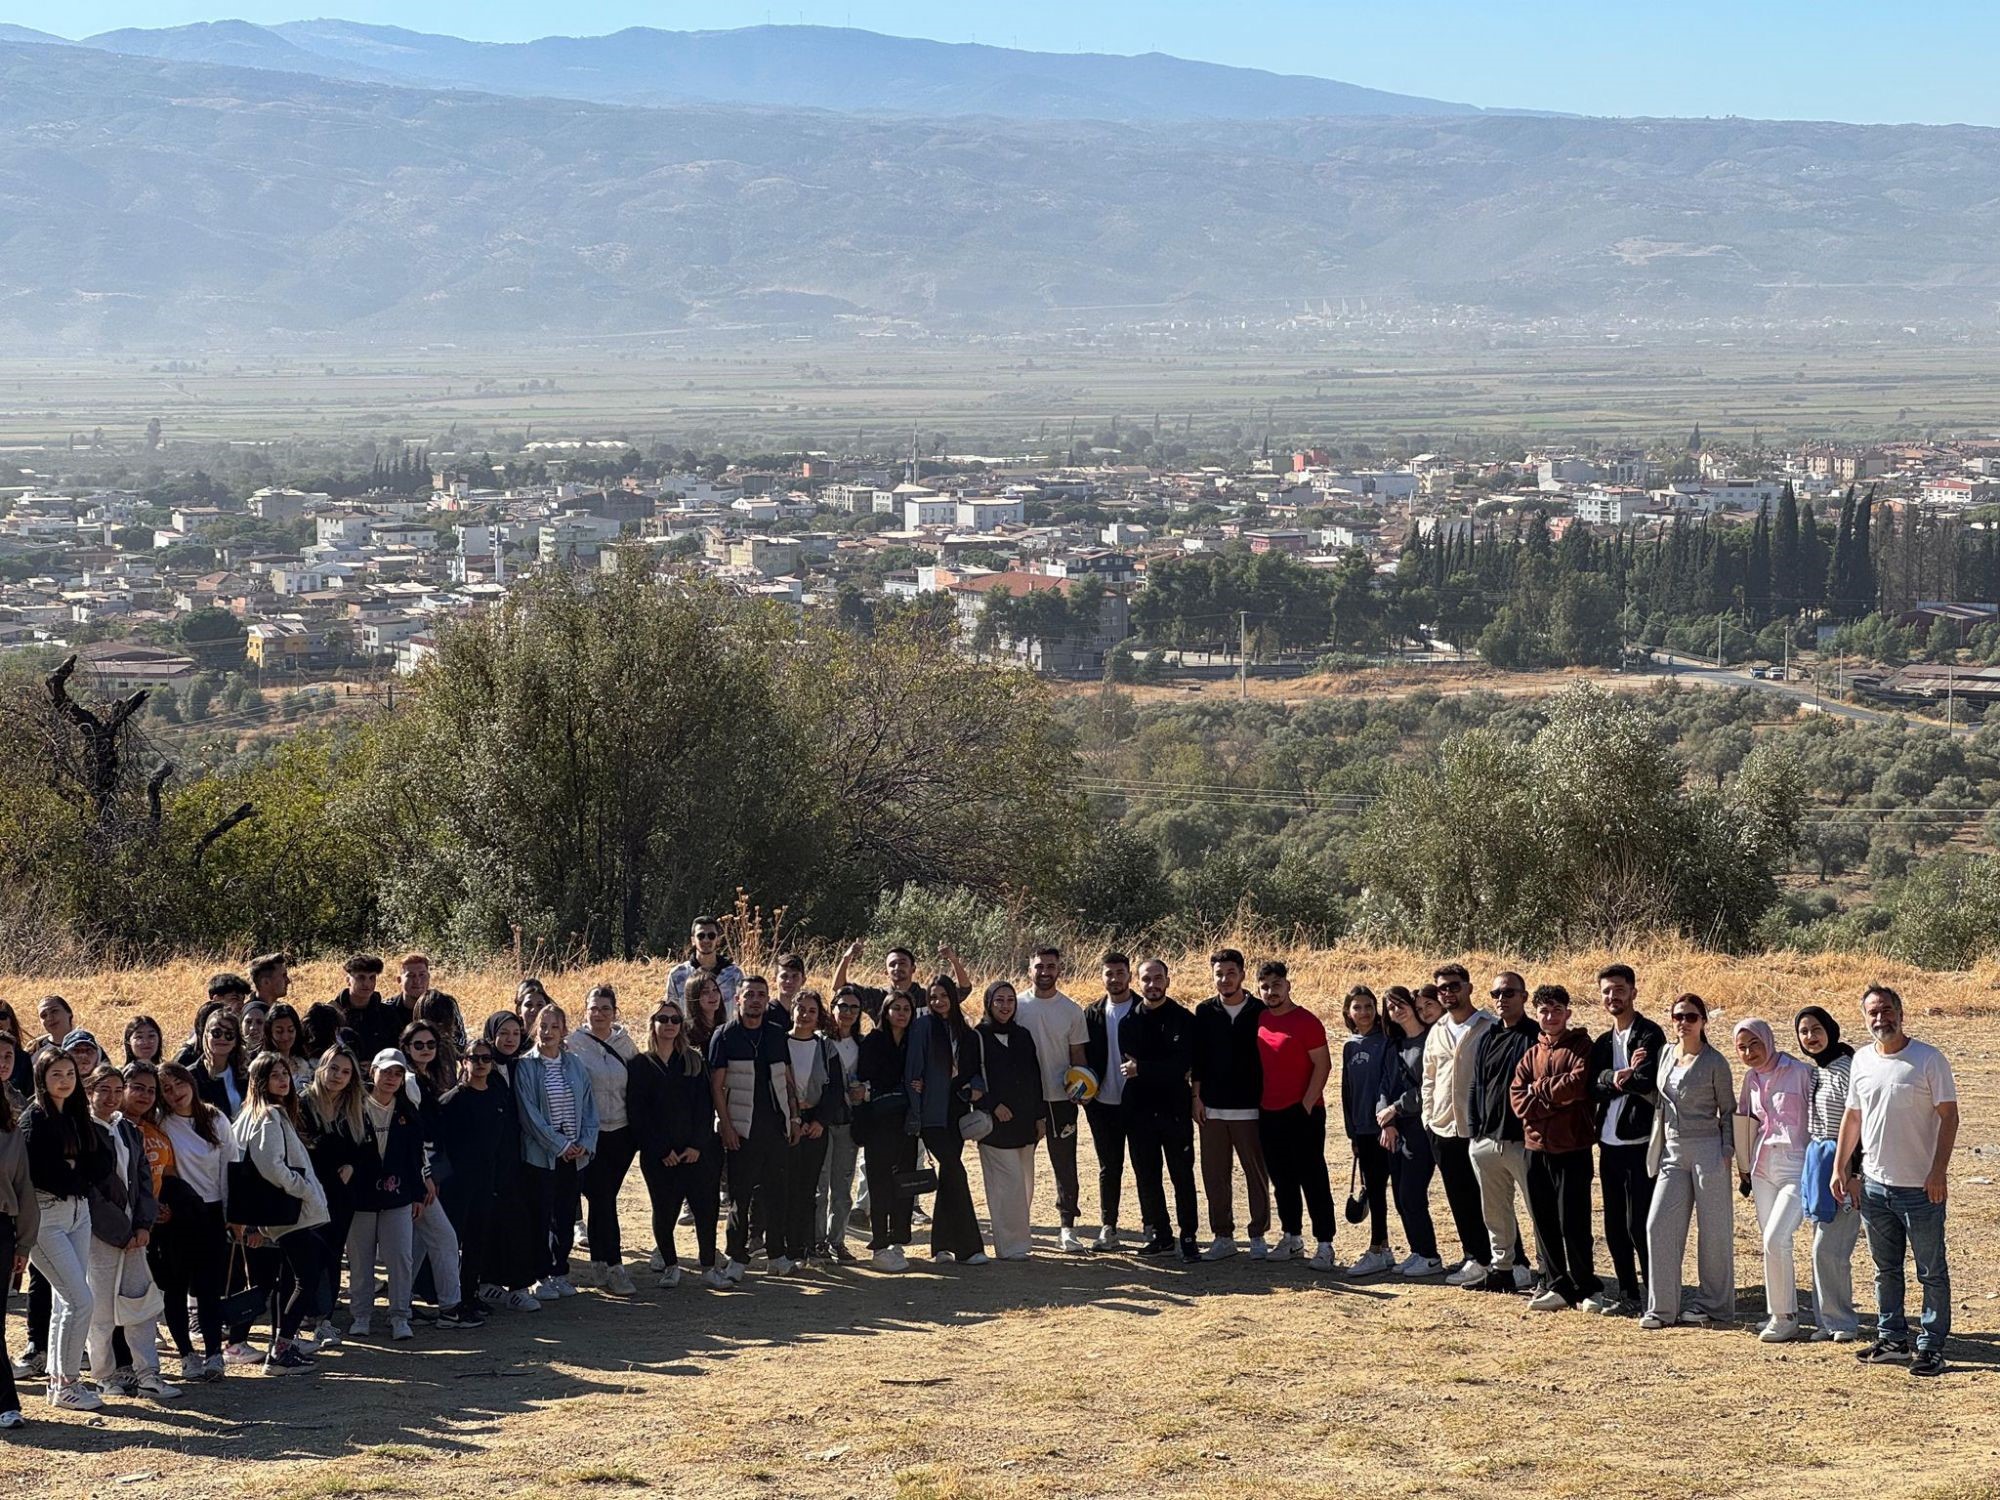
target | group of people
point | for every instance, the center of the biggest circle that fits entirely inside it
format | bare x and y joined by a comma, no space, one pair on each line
221,1184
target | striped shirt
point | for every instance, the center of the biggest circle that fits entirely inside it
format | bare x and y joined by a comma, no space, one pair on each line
562,1103
1829,1098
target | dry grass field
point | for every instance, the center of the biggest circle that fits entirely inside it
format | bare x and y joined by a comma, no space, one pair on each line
1103,1375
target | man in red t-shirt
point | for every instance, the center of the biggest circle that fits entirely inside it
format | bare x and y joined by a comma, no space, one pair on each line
1291,1120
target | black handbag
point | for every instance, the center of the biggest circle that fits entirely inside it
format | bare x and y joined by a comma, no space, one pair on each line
249,1197
243,1302
914,1184
1357,1201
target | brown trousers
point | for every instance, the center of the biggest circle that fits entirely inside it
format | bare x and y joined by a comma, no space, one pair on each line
1219,1139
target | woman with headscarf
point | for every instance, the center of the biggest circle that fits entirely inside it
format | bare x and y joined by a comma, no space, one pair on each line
1777,1094
1693,1142
518,1256
1836,1225
941,1073
1014,1098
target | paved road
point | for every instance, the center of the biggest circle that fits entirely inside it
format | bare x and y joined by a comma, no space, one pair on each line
1695,670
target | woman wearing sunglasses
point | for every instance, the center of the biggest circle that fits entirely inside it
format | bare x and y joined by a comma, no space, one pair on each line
480,1135
672,1113
1690,1159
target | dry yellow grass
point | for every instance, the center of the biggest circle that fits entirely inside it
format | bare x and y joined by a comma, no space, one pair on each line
1075,1376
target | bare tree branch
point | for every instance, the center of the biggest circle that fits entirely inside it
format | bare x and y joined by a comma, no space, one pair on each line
242,814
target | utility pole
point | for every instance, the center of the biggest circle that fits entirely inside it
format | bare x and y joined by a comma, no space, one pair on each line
1788,650
1243,654
1950,682
1718,641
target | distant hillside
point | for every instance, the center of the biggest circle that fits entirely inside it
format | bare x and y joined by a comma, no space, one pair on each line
790,67
157,201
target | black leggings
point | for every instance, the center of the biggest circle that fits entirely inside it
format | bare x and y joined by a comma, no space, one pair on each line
9,1401
190,1258
290,1280
1411,1171
884,1154
557,1199
1374,1163
600,1182
698,1184
798,1233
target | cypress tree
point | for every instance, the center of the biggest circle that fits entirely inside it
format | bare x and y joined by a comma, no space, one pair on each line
1840,589
1757,570
1785,554
1863,586
1813,565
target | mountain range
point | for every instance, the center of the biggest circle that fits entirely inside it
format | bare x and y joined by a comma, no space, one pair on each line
148,201
794,67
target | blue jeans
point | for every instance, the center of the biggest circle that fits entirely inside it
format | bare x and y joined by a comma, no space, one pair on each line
1900,1219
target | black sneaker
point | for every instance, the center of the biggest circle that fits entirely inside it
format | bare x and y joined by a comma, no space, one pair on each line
421,1314
1158,1245
286,1361
1884,1352
1928,1362
458,1317
1190,1252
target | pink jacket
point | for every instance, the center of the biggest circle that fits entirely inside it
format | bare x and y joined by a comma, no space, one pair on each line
1780,1097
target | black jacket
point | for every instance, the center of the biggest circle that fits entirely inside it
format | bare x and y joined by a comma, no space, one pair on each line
880,1066
479,1134
331,1148
209,1088
393,1175
670,1109
1161,1041
1097,1036
1227,1067
1013,1073
1635,1122
376,1025
65,1160
1500,1052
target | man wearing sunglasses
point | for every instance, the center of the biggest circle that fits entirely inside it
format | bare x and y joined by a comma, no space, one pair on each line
1451,1054
1499,1155
1624,1068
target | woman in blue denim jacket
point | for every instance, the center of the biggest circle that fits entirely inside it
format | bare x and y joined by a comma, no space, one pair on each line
558,1138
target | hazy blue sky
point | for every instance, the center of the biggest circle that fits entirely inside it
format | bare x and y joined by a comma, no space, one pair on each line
1865,60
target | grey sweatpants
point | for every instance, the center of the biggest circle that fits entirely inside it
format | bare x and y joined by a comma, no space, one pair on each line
1502,1170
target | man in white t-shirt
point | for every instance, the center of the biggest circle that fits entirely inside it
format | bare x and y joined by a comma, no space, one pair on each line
1902,1111
1057,1025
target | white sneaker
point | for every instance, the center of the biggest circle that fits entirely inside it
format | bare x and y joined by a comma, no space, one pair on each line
1107,1237
1779,1331
11,1419
1523,1278
517,1301
1323,1258
1069,1240
978,1258
1281,1248
686,1220
713,1277
1549,1301
590,1273
670,1278
566,1287
326,1336
1598,1302
618,1282
399,1328
657,1263
1472,1271
359,1328
241,1354
1373,1263
734,1271
890,1258
1418,1266
782,1266
943,1257
1221,1248
1258,1249
489,1292
194,1367
73,1395
580,1237
150,1384
548,1289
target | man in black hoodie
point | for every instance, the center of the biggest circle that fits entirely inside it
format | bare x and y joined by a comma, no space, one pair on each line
1156,1046
1499,1158
1228,1095
358,1015
1624,1067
